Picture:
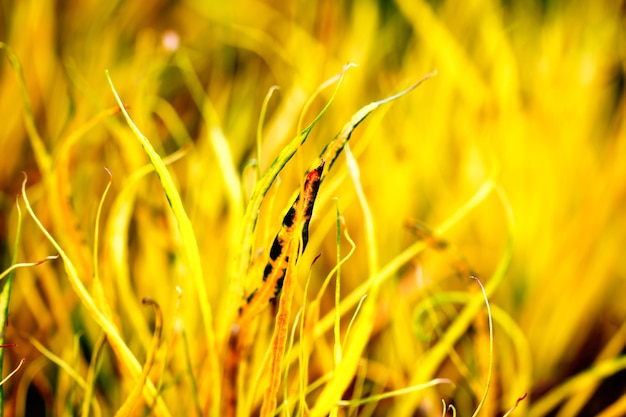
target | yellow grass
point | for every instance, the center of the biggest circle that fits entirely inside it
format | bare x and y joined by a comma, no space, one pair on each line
509,164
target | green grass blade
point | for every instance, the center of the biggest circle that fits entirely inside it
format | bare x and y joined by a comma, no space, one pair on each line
6,284
5,298
395,393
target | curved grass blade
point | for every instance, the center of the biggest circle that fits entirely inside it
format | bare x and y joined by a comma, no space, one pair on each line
517,402
133,399
5,293
98,290
5,298
191,251
490,370
124,354
69,369
368,218
8,273
60,194
10,375
504,321
92,372
395,393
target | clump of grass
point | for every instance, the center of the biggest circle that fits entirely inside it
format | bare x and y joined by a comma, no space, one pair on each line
375,318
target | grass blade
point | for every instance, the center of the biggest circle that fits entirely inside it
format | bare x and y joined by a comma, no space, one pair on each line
5,298
190,248
124,354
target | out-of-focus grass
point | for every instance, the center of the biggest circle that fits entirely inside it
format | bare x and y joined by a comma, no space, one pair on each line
528,100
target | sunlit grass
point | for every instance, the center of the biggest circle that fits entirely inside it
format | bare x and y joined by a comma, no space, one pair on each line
169,178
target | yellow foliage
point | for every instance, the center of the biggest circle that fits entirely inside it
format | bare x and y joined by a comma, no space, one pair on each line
508,165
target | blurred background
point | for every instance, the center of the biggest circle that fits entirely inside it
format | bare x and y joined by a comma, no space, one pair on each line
528,94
